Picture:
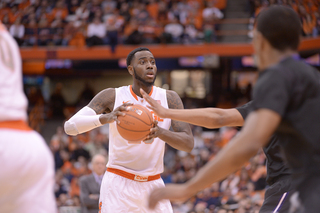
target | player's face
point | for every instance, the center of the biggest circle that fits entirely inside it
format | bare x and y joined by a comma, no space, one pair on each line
99,165
144,68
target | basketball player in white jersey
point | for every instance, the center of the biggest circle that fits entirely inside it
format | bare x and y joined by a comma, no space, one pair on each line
133,169
27,168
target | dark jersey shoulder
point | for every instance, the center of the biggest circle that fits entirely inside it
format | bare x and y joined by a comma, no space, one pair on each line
276,166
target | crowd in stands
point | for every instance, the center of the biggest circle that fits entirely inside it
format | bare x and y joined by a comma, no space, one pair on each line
308,11
110,22
98,22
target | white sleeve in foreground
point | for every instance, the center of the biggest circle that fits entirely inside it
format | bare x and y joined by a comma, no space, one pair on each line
84,120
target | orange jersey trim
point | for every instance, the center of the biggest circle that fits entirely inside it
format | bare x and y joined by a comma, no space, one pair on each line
130,176
135,96
18,125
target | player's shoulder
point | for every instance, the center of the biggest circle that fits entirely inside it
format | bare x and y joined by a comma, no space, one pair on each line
174,100
107,92
172,94
103,101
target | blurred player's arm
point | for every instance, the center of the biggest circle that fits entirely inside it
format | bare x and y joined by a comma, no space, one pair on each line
181,137
206,117
255,134
87,199
90,116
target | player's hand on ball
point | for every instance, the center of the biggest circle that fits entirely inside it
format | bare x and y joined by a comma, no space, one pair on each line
173,192
154,105
113,116
155,131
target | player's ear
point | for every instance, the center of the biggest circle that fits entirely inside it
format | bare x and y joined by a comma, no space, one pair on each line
130,69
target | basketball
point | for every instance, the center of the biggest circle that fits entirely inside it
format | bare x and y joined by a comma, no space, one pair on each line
136,124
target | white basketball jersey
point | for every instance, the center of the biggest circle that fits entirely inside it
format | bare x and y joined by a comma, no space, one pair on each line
13,102
140,158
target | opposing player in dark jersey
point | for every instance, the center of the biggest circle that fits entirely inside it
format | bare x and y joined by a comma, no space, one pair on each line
287,102
278,173
277,195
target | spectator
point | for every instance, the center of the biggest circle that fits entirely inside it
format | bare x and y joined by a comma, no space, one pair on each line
79,151
95,6
90,185
142,13
57,102
82,13
44,31
72,7
175,29
61,136
162,17
17,31
95,33
96,146
59,11
133,35
43,8
69,32
124,12
112,32
110,4
14,14
190,34
153,9
61,185
28,13
308,21
211,13
5,20
57,31
150,31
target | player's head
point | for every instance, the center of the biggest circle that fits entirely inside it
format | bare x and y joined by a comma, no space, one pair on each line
277,27
142,66
98,164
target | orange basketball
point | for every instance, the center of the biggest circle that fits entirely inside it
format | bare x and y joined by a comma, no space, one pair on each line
136,124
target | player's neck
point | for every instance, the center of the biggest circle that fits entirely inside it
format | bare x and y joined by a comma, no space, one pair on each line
136,89
273,57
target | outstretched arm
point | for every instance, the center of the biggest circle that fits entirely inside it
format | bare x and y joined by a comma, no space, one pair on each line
256,133
206,117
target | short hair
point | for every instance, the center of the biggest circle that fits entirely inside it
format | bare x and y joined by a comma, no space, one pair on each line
131,54
281,26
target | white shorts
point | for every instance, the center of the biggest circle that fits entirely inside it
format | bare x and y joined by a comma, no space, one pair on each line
122,195
26,174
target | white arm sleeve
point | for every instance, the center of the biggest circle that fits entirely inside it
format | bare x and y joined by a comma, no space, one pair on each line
84,120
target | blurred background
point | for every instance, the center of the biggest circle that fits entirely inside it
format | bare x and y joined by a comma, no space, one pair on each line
72,49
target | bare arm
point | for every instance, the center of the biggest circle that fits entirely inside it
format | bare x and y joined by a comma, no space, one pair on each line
256,133
206,117
181,138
